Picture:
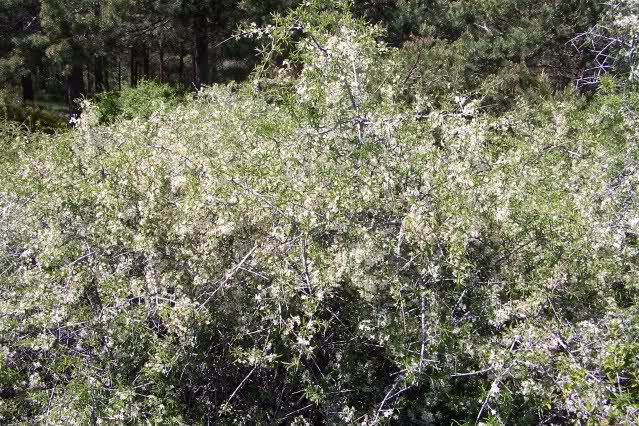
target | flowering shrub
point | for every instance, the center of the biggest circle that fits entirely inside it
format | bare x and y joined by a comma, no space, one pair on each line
311,249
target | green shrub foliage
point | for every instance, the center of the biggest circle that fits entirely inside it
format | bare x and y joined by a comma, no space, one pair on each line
312,248
141,101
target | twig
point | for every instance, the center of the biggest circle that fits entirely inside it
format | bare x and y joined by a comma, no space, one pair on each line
294,412
80,259
307,276
471,373
412,69
494,385
423,332
389,397
228,276
355,104
241,384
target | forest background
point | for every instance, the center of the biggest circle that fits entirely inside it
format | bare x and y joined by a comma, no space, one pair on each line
57,51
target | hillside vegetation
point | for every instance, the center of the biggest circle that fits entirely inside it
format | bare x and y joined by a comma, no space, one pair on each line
326,243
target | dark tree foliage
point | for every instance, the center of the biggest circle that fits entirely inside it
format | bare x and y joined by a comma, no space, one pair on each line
88,46
490,47
487,46
20,46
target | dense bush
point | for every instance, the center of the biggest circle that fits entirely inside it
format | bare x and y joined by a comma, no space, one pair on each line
140,101
313,248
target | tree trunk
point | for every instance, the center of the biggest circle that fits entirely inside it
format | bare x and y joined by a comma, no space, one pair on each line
105,67
98,69
27,88
43,72
161,52
133,78
119,73
193,66
181,66
145,53
99,74
201,51
90,88
75,89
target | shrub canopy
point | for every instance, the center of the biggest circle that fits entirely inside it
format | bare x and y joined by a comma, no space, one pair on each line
312,247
